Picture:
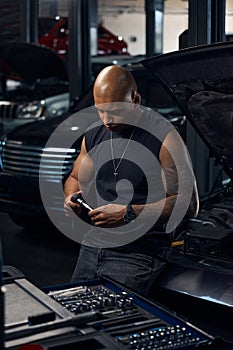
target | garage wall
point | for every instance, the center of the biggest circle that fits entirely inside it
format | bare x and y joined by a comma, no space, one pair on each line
10,21
131,25
174,25
229,23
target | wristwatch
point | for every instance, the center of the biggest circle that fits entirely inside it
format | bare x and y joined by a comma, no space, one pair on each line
129,215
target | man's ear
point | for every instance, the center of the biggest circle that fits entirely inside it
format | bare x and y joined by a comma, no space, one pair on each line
136,98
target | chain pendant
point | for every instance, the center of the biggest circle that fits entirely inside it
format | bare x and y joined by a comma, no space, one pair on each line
115,167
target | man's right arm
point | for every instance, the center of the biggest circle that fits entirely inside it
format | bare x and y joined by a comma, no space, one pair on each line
79,177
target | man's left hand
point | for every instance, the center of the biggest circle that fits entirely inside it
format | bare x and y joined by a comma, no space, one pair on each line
110,215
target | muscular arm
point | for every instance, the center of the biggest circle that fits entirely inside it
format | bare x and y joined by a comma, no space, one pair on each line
178,175
79,178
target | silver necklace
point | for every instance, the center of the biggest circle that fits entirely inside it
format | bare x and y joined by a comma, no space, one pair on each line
116,166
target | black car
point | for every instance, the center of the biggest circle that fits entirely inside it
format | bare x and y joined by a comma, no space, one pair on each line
23,147
33,84
198,280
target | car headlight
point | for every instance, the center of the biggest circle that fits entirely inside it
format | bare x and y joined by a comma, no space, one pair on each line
31,110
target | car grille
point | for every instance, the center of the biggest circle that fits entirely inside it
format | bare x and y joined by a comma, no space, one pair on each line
52,163
8,110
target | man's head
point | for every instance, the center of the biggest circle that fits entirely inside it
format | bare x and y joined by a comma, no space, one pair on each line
115,92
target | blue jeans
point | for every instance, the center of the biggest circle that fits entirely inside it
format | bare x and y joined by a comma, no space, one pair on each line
134,270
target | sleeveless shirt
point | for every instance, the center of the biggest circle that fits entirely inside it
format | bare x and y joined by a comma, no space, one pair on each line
139,179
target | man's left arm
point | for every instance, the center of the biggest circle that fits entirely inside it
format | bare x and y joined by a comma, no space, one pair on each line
179,176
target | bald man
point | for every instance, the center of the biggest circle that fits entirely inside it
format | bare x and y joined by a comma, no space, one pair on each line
127,241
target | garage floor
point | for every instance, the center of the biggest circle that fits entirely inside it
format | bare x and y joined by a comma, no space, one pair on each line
45,258
48,258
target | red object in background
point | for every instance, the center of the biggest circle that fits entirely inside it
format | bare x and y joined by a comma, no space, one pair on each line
54,33
31,346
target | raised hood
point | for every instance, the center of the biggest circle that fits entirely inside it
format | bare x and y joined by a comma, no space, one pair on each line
30,62
201,80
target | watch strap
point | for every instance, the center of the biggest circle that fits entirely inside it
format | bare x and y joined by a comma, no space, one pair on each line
129,215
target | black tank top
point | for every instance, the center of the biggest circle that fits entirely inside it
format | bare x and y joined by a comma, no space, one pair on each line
136,166
139,179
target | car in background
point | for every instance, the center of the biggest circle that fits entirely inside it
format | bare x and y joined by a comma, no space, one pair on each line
34,84
109,43
197,282
54,33
22,149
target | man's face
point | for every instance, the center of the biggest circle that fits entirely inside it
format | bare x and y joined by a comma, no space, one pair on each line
116,115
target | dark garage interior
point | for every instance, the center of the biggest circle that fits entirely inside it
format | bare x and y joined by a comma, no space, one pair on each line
180,54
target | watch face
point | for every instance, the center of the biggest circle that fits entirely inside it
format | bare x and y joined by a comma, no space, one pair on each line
129,216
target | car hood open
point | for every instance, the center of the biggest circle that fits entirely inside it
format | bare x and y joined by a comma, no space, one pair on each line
200,79
30,62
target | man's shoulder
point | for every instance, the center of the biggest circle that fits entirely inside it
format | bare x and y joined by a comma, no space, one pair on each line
155,123
95,134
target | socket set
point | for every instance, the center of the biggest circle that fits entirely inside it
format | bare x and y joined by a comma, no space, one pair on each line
132,321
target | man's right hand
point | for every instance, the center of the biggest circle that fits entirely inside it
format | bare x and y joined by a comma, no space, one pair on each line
71,208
